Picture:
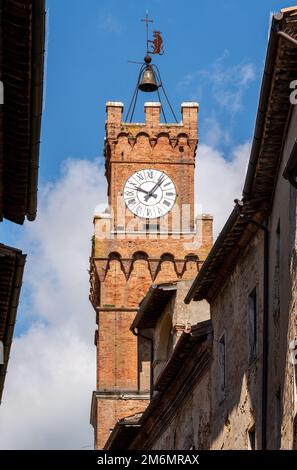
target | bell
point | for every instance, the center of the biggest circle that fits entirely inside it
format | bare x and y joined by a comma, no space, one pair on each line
148,82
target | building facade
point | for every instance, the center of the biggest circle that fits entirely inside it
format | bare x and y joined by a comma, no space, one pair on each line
253,297
147,236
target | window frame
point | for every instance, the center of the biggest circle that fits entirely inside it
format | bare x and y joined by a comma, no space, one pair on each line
222,366
253,324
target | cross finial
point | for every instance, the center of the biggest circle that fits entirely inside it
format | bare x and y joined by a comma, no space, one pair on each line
147,21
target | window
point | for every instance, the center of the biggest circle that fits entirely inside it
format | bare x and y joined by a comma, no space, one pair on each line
253,324
252,438
222,367
276,293
145,360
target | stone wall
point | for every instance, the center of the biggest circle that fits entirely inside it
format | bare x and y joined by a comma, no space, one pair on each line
189,428
283,295
234,414
237,407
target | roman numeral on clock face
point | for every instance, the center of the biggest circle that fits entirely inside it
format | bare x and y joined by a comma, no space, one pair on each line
130,202
138,210
149,212
134,185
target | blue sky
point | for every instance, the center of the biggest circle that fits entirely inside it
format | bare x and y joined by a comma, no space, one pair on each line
87,63
214,54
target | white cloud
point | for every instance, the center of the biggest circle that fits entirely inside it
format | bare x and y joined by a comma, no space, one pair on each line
214,134
51,374
219,181
227,83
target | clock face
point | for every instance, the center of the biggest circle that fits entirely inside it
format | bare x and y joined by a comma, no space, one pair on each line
149,193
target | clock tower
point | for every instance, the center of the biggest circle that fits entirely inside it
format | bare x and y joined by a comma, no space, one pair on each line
148,235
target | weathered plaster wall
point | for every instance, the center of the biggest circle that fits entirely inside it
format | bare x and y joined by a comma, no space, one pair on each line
177,317
239,407
189,428
236,408
283,296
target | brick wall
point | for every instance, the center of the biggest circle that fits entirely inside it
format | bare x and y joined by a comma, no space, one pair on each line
123,268
109,411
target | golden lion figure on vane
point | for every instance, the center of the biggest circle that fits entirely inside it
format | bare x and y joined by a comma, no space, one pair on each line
157,42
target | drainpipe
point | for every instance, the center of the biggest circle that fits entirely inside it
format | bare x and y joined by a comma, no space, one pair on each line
265,333
136,333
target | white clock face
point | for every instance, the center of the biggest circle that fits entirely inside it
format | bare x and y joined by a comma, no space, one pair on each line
149,193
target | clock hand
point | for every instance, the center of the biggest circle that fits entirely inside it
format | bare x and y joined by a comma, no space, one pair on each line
145,192
151,192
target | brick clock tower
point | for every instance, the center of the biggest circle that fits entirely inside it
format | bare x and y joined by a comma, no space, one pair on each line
147,235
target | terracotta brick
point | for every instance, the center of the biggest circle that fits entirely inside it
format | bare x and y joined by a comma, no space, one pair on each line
118,284
109,411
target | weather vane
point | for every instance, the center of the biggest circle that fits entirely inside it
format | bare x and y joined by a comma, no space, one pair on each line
149,78
157,42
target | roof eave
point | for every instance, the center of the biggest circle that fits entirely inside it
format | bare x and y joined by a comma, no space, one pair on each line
196,335
121,436
12,312
152,297
38,47
262,107
207,263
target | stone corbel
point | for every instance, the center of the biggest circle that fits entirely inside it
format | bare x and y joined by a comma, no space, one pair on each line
154,267
152,142
131,140
122,266
173,141
101,268
192,143
127,267
112,145
180,267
